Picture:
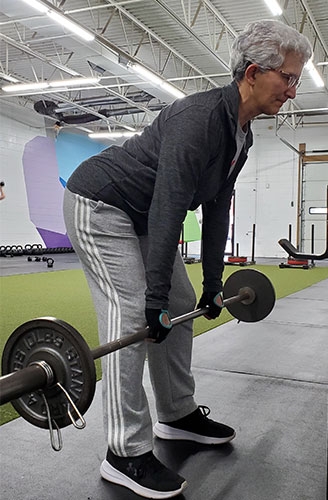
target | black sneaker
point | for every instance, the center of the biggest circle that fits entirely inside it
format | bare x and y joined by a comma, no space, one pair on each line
195,427
144,474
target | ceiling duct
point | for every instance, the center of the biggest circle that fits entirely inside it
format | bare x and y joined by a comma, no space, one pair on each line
50,108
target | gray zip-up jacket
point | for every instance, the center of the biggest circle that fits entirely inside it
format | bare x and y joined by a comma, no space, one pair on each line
179,162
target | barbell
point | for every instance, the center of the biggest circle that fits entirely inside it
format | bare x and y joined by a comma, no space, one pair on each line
48,368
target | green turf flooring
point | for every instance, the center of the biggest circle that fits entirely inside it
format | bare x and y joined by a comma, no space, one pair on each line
65,295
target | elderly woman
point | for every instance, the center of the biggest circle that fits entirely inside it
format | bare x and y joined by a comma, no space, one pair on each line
124,209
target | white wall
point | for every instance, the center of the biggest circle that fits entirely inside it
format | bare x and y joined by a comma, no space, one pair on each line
16,227
267,189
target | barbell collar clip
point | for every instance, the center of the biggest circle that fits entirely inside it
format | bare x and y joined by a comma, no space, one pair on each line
73,405
56,446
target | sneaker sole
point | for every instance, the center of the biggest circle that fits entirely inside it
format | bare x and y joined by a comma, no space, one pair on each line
109,473
164,431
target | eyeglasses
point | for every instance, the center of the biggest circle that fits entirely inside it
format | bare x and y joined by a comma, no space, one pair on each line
291,79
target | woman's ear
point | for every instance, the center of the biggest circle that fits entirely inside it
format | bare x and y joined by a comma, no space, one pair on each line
250,73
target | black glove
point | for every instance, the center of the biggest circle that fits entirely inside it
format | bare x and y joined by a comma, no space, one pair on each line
159,324
214,302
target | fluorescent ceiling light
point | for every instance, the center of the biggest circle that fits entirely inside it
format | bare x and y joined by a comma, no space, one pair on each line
316,77
70,25
113,135
9,78
146,74
274,7
73,81
149,76
172,90
37,5
25,86
46,85
61,19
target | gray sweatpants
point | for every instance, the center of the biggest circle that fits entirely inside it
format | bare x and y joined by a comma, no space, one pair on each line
112,257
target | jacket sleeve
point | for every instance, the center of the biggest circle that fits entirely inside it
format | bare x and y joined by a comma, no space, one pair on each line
214,235
184,154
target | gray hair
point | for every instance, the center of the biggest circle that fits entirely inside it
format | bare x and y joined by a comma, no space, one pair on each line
266,43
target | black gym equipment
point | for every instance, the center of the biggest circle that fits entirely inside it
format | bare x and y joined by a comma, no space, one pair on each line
31,249
33,259
48,368
293,251
250,310
298,263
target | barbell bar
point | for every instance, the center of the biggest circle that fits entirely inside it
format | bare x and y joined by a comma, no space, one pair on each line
115,345
40,374
48,368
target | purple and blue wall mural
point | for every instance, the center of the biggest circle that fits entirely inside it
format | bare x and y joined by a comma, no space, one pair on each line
47,164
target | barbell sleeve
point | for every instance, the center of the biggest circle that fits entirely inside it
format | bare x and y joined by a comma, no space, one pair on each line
15,384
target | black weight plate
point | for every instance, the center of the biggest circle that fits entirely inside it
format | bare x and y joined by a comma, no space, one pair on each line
264,300
65,350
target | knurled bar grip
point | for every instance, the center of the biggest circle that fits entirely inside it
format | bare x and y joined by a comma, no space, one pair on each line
37,376
115,345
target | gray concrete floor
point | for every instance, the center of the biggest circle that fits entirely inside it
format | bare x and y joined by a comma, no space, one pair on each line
268,380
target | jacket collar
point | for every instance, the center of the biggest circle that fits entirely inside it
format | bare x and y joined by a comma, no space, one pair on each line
231,97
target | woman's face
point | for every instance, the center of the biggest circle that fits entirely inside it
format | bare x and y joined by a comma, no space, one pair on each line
271,88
